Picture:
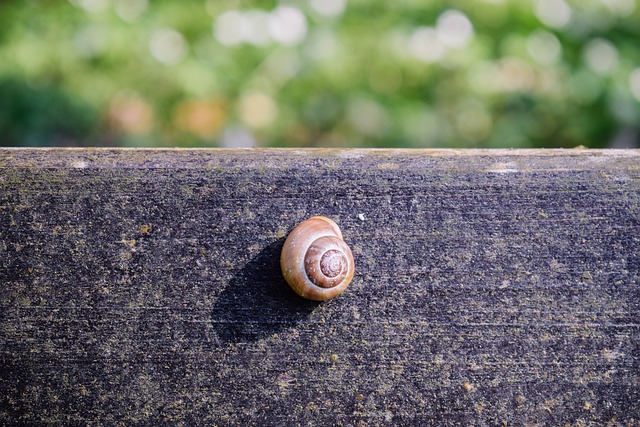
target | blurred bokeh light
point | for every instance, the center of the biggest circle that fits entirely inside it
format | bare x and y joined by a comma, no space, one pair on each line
409,73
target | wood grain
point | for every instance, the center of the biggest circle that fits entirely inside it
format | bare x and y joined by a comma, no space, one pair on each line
142,287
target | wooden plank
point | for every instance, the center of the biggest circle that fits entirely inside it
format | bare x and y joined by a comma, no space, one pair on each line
491,287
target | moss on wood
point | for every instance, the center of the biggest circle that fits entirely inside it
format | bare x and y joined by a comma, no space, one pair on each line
491,287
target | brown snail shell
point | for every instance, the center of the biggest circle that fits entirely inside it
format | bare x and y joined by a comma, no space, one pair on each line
315,261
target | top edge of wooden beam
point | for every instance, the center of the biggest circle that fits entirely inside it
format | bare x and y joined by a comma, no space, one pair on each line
489,160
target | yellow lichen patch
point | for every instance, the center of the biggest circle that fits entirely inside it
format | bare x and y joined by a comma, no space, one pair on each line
587,276
279,233
83,390
467,386
248,214
131,243
145,229
388,166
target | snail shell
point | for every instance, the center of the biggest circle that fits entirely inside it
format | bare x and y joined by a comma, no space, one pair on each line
315,261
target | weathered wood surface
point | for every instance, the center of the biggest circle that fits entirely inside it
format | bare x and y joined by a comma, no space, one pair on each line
491,288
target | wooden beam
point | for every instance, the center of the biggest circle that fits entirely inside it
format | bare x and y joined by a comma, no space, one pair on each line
492,287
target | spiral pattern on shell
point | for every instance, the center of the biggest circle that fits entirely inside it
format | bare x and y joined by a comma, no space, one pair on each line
315,260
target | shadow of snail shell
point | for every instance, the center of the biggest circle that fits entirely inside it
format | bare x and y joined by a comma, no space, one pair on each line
315,261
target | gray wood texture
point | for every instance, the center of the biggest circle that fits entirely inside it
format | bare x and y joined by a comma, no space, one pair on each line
142,287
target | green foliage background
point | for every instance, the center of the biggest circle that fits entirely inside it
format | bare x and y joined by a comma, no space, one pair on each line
85,72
